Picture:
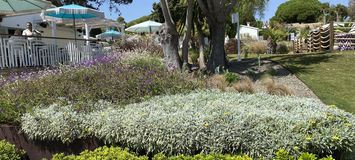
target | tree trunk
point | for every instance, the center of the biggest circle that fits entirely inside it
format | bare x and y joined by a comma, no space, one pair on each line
217,56
187,37
271,46
201,58
169,39
216,12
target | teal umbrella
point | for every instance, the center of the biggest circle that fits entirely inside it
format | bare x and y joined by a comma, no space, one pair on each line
20,6
110,34
74,12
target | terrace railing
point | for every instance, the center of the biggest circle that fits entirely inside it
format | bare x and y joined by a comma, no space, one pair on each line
32,51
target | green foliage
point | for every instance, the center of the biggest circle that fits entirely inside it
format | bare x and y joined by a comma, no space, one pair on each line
138,20
202,157
275,34
307,156
282,154
113,153
211,122
194,55
282,48
7,111
231,77
298,11
177,11
9,151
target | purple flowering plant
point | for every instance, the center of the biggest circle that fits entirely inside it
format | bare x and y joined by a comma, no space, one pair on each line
121,78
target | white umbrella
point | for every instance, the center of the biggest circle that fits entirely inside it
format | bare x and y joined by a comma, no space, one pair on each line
145,27
21,6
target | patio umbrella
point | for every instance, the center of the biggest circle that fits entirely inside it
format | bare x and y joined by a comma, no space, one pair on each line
74,12
146,27
110,34
20,6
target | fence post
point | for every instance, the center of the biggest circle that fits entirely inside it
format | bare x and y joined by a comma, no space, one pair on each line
331,32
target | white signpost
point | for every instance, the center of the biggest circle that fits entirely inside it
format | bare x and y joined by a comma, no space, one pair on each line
235,20
292,37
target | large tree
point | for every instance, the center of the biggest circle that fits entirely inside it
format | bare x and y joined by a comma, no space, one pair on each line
298,11
216,12
169,39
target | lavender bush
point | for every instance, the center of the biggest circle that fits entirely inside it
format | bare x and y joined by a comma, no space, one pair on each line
120,78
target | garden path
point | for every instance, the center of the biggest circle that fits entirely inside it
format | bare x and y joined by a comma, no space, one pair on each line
279,74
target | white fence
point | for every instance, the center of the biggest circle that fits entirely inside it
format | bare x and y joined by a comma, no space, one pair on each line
19,51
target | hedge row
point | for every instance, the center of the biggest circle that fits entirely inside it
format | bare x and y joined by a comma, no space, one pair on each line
205,121
9,151
116,153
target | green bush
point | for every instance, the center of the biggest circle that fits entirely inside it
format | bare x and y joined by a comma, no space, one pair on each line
282,48
212,122
194,55
231,77
202,157
9,151
285,155
113,153
123,154
7,112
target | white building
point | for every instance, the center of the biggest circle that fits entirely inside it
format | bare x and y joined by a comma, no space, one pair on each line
9,24
248,32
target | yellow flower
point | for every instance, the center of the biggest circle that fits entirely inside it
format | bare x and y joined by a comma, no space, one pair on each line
206,124
308,138
336,138
333,106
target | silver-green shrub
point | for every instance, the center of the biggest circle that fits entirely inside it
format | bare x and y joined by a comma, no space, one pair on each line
212,121
219,122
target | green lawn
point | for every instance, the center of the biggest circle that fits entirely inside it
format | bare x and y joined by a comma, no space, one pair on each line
331,76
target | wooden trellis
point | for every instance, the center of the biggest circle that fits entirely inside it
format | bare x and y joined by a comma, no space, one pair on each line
320,39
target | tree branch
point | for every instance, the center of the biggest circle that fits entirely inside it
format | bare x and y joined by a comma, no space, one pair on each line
166,12
230,6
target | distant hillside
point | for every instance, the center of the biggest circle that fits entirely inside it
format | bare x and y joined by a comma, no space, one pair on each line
138,20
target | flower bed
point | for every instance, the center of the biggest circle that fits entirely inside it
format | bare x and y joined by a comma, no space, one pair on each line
120,79
205,121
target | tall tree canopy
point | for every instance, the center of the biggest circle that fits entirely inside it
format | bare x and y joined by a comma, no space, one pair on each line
337,12
298,11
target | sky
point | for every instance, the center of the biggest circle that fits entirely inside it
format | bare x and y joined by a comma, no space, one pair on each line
144,7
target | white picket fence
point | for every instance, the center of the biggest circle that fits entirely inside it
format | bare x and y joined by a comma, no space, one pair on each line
18,51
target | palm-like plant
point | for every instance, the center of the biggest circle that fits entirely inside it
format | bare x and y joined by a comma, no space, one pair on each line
273,35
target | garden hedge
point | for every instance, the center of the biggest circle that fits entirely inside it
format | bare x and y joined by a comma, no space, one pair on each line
207,122
123,154
9,151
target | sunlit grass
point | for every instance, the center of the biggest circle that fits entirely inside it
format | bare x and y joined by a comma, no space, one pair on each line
330,75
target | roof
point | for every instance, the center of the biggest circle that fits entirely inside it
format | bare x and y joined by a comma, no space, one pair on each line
244,26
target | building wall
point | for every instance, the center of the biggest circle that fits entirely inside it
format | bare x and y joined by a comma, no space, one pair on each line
247,32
